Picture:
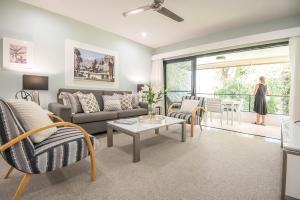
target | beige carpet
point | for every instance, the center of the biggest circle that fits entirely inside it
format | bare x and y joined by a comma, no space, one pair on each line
215,165
249,128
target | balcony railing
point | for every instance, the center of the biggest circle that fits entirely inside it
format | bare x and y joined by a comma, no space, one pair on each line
277,104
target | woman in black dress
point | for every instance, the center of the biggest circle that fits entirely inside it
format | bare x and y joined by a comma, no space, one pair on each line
260,105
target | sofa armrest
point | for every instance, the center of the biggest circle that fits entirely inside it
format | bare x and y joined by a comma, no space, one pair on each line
61,110
143,105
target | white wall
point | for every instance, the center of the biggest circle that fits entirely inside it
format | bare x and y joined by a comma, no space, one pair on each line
295,78
293,176
48,31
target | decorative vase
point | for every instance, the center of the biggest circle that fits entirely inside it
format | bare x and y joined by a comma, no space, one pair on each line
151,110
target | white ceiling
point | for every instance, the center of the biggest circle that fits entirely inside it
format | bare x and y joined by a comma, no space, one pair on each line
273,52
202,17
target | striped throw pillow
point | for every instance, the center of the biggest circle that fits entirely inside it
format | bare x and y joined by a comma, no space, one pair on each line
111,103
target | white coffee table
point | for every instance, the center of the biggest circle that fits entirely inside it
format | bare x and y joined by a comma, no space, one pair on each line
138,128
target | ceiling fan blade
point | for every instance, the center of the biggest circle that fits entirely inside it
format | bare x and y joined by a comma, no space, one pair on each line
168,13
137,10
159,1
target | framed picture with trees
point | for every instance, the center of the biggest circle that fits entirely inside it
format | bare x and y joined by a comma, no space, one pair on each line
90,65
17,54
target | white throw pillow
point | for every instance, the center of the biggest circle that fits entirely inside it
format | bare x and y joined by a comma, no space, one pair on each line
188,106
135,100
32,116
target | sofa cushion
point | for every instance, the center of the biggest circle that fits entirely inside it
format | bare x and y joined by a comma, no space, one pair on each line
98,94
80,118
61,149
135,100
111,103
132,113
89,103
126,100
71,100
187,105
32,116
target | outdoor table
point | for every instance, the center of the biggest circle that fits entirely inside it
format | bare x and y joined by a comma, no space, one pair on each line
232,105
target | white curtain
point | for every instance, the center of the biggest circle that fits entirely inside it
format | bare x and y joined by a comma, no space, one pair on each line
295,78
157,78
157,81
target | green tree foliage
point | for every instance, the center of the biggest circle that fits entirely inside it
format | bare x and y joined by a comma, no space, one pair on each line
178,79
239,82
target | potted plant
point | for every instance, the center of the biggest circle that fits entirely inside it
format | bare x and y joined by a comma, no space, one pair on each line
151,96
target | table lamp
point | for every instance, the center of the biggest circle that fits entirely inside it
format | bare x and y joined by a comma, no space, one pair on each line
139,87
33,83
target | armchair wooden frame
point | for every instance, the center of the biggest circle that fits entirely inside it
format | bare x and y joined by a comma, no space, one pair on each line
25,180
194,112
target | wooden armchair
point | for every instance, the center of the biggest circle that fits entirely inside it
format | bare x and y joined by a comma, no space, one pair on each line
194,117
68,145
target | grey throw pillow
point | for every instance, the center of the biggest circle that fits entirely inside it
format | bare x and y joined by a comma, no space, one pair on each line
71,100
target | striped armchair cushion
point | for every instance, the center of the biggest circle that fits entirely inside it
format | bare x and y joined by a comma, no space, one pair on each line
186,116
61,149
19,155
65,147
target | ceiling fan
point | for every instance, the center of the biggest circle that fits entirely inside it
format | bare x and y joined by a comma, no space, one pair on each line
158,6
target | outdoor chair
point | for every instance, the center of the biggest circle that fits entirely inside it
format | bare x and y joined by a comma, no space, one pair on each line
194,117
214,105
68,145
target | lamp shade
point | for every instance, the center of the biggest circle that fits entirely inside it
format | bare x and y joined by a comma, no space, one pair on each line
33,82
139,87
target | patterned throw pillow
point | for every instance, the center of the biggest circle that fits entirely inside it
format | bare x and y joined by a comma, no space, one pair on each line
89,103
126,102
71,100
135,100
111,103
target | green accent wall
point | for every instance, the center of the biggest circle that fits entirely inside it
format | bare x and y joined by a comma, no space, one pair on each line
48,31
232,33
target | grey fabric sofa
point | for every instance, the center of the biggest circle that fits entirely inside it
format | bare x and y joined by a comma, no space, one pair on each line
94,122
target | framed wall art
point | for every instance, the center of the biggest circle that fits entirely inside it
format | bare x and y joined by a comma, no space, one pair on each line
17,54
88,65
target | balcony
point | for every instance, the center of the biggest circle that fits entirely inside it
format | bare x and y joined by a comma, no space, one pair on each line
277,112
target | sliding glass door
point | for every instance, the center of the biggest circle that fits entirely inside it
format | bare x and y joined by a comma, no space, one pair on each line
232,75
179,79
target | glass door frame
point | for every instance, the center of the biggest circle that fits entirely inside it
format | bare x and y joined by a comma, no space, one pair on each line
193,60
